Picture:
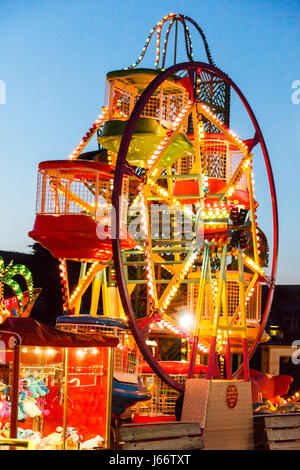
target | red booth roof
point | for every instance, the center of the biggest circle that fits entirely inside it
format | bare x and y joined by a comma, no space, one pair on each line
29,332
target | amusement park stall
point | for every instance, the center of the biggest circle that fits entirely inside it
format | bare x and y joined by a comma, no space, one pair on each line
55,386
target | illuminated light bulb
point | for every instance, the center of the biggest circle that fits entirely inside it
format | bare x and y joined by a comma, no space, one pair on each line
50,352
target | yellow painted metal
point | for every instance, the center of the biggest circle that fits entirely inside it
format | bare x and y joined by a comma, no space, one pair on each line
130,289
82,273
170,191
241,169
209,290
197,167
224,130
201,293
26,444
145,194
154,171
221,284
176,276
250,263
115,308
164,195
76,199
95,294
252,211
98,123
225,306
168,267
243,318
105,297
170,181
248,290
234,333
84,283
111,301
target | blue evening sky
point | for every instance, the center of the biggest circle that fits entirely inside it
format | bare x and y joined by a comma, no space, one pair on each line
54,55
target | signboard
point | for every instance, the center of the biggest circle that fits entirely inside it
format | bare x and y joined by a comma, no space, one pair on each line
231,396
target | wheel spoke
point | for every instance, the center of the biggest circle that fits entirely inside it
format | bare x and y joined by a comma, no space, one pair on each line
231,136
157,155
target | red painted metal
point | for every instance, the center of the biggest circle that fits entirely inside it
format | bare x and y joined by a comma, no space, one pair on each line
15,394
245,359
215,186
75,237
81,166
211,369
227,359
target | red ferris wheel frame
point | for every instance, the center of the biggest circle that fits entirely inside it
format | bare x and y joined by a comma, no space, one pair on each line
118,178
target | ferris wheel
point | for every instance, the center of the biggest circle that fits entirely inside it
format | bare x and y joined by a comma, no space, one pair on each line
166,204
221,258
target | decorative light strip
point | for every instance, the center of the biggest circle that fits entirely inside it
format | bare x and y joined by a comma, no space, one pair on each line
172,200
159,27
179,277
250,263
223,128
64,283
178,332
217,211
88,136
175,125
149,264
166,42
245,162
157,56
76,199
7,275
82,283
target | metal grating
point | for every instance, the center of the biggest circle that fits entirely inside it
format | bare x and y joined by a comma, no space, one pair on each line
62,192
253,307
127,357
163,398
121,95
219,160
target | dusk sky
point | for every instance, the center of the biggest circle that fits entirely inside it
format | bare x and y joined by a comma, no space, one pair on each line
54,56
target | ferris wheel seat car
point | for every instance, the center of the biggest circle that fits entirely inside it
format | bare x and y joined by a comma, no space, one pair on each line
75,237
147,136
216,188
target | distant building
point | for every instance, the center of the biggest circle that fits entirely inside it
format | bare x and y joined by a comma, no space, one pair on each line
284,328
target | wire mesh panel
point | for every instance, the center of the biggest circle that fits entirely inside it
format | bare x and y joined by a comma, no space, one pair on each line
192,296
219,160
233,160
127,357
73,191
253,304
214,154
183,165
60,192
163,398
123,92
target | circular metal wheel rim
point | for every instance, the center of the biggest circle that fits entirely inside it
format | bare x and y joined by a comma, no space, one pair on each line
116,242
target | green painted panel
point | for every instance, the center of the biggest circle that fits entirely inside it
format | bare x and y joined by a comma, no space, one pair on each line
147,136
